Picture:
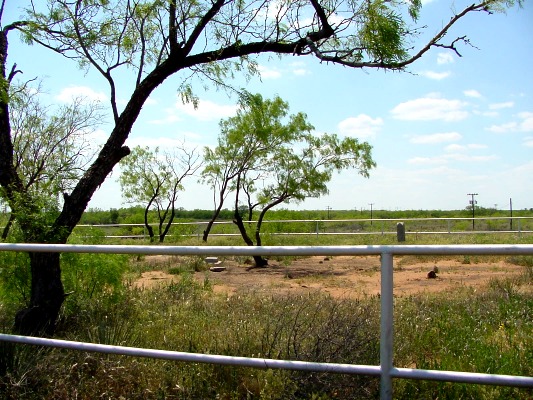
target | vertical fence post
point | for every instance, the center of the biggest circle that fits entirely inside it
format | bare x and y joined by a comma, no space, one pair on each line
386,340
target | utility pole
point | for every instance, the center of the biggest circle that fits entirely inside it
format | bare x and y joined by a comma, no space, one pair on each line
370,204
473,203
328,208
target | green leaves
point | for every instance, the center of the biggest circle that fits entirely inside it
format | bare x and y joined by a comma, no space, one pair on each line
51,147
154,180
143,175
382,33
266,157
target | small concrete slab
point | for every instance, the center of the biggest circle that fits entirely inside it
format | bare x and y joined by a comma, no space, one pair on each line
217,265
217,268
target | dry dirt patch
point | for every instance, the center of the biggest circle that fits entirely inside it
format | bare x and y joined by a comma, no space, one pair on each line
340,276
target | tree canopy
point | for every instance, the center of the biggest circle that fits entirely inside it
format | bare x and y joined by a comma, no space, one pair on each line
155,180
266,157
50,146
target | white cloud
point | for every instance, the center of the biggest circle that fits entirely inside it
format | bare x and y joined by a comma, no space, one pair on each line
527,121
268,73
97,138
299,68
151,101
499,106
430,108
426,160
444,58
71,93
362,126
473,93
469,158
436,138
528,141
525,124
490,114
273,9
457,147
296,68
169,118
503,128
301,72
207,110
437,76
458,155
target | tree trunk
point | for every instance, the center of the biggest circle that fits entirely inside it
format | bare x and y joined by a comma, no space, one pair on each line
163,232
259,224
146,224
47,296
217,210
259,260
211,222
5,232
150,233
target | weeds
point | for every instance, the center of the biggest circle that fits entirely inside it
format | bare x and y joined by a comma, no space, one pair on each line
488,332
468,330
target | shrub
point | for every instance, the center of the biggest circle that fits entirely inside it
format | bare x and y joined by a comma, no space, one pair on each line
15,278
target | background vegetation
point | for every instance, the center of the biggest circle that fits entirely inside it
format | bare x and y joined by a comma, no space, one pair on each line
192,222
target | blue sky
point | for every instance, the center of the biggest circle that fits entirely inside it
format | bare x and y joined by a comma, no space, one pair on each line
448,127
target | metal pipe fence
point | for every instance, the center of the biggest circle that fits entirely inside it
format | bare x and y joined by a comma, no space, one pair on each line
375,226
385,370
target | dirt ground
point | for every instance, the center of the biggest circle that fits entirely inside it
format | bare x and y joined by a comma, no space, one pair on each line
340,276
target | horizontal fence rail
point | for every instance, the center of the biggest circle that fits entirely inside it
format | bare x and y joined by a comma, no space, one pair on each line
385,370
374,226
466,249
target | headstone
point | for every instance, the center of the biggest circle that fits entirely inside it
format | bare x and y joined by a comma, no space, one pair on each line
400,232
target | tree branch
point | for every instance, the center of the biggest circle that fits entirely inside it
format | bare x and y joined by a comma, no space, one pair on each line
208,16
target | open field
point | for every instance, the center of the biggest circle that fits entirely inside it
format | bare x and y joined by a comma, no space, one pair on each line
340,277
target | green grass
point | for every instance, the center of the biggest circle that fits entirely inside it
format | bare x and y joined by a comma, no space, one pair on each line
189,317
488,331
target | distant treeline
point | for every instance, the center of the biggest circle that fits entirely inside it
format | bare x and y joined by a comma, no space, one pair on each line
135,215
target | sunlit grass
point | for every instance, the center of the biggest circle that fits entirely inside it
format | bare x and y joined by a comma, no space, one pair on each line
485,332
489,331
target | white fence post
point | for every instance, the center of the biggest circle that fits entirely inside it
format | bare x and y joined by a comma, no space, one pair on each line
386,342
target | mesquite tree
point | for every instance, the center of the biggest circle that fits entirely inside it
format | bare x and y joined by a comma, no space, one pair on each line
51,144
245,143
151,40
274,158
155,180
